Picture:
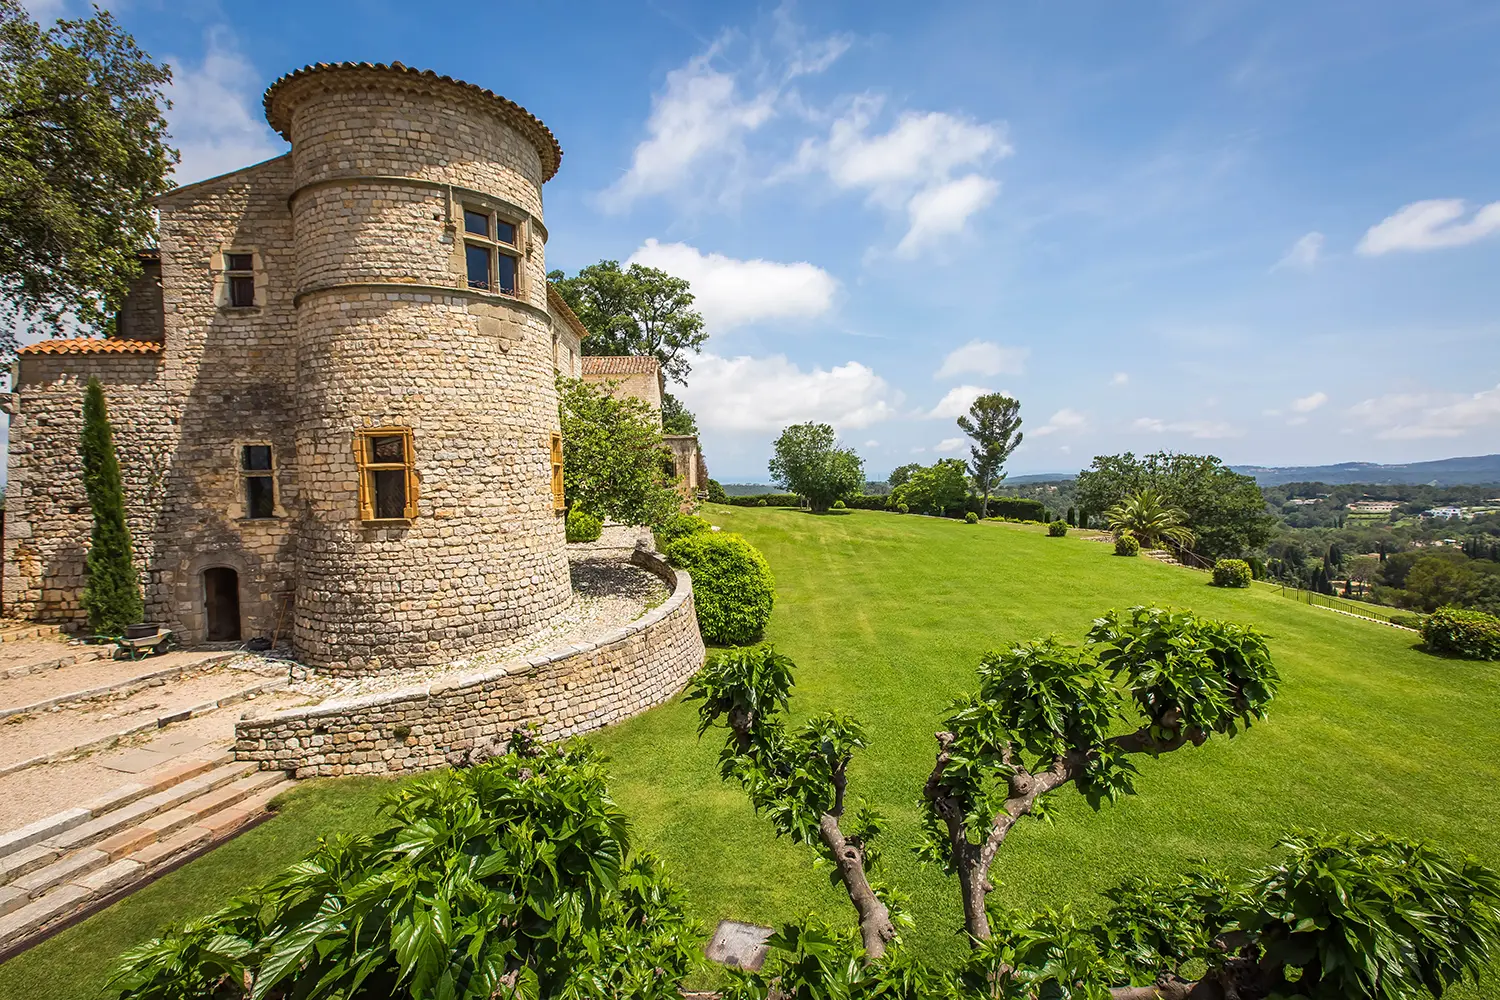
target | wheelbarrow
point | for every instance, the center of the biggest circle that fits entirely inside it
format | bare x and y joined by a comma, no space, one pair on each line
141,641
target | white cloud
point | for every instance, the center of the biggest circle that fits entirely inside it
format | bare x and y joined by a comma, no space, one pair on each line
1430,225
44,12
911,166
918,451
955,403
699,115
981,357
1202,429
761,394
941,211
732,292
1063,420
948,444
1309,403
1411,416
1304,254
216,119
872,444
1119,378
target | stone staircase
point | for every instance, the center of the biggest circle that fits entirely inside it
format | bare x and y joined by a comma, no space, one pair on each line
76,861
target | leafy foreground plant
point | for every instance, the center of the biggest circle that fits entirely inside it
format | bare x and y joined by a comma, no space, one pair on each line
1344,916
509,879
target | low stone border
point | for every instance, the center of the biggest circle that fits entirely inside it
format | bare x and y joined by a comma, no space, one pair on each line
563,692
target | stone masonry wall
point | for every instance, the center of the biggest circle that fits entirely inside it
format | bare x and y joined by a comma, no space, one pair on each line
579,689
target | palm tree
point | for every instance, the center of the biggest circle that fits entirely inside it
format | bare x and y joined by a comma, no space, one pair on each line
1147,515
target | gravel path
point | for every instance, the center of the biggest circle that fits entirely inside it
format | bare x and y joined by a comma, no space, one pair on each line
608,592
28,689
23,651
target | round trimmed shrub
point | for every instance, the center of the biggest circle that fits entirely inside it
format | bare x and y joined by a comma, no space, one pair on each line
582,526
679,526
1231,573
1473,635
1057,529
760,503
902,508
1127,545
733,588
839,505
971,518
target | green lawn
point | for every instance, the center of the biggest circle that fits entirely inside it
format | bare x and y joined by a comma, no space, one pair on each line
886,617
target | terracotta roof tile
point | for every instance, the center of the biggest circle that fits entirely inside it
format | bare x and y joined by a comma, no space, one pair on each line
93,345
630,364
527,123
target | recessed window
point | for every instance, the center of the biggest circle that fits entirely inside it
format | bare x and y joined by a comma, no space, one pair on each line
492,252
559,501
258,479
239,273
387,474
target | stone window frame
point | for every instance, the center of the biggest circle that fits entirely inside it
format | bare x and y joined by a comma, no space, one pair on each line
366,469
218,264
240,511
490,241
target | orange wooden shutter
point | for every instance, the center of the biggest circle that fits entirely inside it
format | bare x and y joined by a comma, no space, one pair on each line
411,475
558,500
361,460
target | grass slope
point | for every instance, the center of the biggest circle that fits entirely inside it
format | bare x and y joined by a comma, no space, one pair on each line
886,617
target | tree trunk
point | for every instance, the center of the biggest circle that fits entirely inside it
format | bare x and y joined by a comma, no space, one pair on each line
875,927
975,885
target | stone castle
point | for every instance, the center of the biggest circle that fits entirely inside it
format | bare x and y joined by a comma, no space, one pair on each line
332,390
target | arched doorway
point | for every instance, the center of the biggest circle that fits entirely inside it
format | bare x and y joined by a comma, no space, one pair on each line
221,603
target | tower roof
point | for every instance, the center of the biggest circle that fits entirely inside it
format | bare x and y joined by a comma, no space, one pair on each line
278,114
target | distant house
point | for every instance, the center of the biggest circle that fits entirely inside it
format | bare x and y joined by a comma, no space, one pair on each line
640,377
1374,506
1304,502
1443,512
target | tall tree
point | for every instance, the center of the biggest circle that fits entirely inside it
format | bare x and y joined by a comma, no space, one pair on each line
935,488
613,463
809,462
901,473
676,418
994,422
83,153
635,310
112,591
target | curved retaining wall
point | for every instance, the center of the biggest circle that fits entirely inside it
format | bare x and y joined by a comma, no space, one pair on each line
577,689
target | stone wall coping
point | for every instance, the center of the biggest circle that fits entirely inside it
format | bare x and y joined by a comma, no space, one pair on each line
655,562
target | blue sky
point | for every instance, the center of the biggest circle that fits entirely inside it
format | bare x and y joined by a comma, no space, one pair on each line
1268,231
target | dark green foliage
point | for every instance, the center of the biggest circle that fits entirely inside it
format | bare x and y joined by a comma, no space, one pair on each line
762,503
733,589
868,501
716,492
635,310
1406,621
971,518
810,463
613,459
1072,518
902,508
112,591
1018,509
676,418
1225,510
582,526
934,489
1470,634
1232,573
839,505
512,878
765,500
83,155
1057,529
1126,545
679,526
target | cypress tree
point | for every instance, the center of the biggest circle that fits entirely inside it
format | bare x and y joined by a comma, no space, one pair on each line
111,592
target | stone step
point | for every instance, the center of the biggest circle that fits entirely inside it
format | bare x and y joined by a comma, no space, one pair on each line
142,809
97,877
24,839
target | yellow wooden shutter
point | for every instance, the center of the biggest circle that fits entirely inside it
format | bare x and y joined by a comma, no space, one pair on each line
558,500
361,460
411,475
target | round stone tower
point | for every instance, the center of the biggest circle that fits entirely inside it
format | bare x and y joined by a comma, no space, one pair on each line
427,410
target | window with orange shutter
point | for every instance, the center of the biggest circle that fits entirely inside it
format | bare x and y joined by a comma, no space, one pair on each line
387,468
559,502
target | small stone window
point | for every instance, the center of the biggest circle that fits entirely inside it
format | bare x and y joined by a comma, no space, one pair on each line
559,502
492,252
387,474
258,476
239,275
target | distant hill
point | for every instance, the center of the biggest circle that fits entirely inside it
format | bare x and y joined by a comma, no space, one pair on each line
1443,472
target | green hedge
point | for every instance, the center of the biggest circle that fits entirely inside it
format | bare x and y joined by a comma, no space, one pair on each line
1232,573
733,588
583,527
868,501
678,526
1017,508
767,500
1470,634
